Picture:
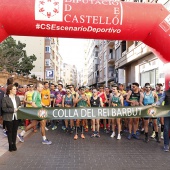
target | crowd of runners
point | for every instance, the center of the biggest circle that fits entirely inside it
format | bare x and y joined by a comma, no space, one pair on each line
50,95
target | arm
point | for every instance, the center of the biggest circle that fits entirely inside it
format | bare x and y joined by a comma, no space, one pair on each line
101,103
128,97
63,101
141,99
110,100
25,98
121,100
159,102
155,96
88,101
105,97
5,108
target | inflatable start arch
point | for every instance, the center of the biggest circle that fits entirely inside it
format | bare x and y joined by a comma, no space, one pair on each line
92,19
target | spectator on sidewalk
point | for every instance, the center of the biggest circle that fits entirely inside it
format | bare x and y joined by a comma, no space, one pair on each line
10,105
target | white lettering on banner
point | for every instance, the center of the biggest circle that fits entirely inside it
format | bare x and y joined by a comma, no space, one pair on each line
84,29
94,2
92,19
116,13
100,112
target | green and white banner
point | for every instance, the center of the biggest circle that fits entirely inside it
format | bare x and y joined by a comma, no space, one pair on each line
93,113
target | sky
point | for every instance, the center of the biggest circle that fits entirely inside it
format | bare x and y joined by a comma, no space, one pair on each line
72,51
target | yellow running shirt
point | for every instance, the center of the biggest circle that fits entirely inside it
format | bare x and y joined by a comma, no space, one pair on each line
45,97
29,98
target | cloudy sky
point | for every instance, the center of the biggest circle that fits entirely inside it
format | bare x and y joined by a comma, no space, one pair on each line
72,51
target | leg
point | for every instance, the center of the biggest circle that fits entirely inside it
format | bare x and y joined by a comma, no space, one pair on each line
136,123
119,127
162,127
9,125
146,123
130,125
113,128
14,134
166,130
42,125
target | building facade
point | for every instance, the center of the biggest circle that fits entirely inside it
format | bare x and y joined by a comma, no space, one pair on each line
124,61
69,75
48,66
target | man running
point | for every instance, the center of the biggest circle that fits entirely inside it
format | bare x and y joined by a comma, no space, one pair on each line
83,101
133,98
52,97
28,101
148,98
95,101
68,101
36,102
116,100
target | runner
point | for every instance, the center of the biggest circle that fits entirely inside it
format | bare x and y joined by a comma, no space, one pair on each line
45,96
95,101
68,101
36,102
102,94
89,95
83,101
28,101
58,100
148,98
52,98
107,91
116,100
165,97
133,98
159,91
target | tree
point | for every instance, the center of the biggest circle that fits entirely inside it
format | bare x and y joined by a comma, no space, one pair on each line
13,57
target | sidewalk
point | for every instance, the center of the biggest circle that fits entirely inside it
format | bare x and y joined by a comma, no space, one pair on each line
4,141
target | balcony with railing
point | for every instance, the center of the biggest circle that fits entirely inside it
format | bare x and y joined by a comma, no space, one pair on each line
111,58
132,54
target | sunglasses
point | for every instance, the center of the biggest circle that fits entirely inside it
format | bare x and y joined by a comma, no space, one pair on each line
68,90
94,91
147,87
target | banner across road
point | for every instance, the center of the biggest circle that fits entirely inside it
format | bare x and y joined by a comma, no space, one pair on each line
93,112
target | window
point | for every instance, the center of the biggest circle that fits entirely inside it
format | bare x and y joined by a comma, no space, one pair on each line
150,77
47,49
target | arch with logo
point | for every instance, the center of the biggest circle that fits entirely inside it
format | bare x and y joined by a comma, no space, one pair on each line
92,19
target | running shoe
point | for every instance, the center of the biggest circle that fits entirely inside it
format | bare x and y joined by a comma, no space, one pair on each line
71,130
135,136
46,129
63,128
54,128
21,138
82,136
5,133
97,135
162,135
93,135
166,148
153,135
75,137
157,139
66,130
129,136
118,137
112,135
46,142
146,139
